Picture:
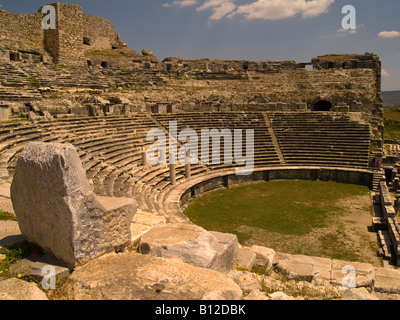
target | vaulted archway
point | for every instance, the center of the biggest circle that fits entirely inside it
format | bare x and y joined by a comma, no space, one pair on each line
322,105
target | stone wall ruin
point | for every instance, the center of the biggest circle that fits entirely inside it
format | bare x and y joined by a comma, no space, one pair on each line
348,83
75,33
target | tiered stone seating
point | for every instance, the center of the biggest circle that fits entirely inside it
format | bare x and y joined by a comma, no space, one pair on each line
111,150
51,75
16,84
30,76
134,78
11,76
325,139
264,150
111,147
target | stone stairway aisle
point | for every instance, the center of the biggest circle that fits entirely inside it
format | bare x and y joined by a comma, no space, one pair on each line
377,177
380,222
274,139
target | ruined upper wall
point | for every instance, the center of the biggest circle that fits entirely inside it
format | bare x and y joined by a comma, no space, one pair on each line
337,82
175,64
352,61
75,33
99,34
65,42
21,31
347,61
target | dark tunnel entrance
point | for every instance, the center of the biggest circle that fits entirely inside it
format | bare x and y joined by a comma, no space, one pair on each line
322,105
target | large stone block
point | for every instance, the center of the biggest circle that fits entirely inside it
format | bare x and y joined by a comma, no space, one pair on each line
193,244
264,256
15,289
57,210
341,270
304,268
387,280
34,266
132,276
142,223
245,258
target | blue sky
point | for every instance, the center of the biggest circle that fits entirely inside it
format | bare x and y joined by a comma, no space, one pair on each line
250,29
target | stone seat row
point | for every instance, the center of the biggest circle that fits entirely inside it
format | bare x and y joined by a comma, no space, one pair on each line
23,74
111,152
322,138
324,146
19,94
60,131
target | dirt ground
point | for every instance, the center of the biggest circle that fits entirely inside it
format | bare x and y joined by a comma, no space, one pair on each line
347,238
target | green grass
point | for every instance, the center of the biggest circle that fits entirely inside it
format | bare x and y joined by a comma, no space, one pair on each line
392,122
286,207
14,254
6,216
297,217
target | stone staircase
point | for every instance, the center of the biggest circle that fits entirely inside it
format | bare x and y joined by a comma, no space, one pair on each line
274,139
377,177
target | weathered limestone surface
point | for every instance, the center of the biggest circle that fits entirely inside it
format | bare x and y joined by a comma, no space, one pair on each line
256,294
280,296
33,266
10,234
387,280
57,210
143,222
245,258
15,289
364,272
193,244
245,280
132,276
305,268
359,294
264,256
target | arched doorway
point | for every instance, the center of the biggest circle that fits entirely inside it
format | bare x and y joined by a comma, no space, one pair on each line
322,105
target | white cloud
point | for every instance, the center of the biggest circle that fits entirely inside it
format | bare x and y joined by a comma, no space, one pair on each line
343,32
209,4
181,3
281,9
389,34
220,8
258,9
385,73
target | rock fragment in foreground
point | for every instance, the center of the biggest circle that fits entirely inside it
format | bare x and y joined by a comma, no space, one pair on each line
132,276
193,244
304,268
15,289
57,210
